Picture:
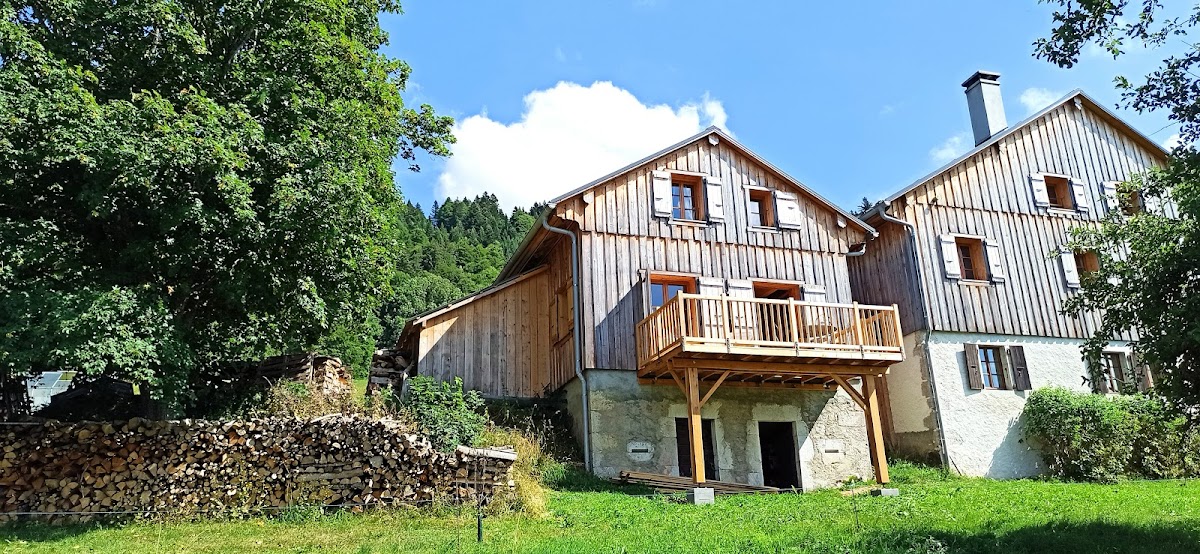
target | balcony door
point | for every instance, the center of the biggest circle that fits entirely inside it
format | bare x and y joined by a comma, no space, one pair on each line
773,319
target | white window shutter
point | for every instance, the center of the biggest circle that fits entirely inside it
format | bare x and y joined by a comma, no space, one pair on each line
994,261
1080,195
1112,202
711,286
788,213
1070,271
950,256
741,288
716,200
1040,197
661,190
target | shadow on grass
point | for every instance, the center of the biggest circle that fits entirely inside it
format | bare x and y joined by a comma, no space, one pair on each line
40,531
571,478
1065,537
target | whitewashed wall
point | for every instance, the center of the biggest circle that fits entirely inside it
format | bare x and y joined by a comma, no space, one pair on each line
983,427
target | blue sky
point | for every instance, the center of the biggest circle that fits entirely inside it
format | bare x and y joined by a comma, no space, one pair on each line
854,100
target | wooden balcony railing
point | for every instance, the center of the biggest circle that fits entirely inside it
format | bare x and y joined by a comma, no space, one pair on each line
831,333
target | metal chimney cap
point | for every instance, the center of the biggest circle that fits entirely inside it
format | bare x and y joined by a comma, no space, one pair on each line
981,76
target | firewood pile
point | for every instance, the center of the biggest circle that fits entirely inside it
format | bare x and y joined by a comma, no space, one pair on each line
389,369
84,470
326,372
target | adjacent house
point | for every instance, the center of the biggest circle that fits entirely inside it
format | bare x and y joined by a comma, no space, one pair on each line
974,255
695,309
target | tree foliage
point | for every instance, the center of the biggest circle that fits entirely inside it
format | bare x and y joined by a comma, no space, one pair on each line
188,181
1149,277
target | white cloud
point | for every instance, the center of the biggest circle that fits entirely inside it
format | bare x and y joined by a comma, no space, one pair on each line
568,135
1172,141
954,147
1035,99
887,109
559,54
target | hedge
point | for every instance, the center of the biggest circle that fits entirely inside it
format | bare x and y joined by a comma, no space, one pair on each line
1093,437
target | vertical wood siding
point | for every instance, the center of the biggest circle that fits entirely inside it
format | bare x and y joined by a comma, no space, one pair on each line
499,344
619,236
989,195
884,275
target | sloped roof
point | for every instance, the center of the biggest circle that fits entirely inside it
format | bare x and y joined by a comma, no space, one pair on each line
714,130
1104,112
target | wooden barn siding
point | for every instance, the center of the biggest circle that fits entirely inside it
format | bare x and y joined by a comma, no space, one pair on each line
990,195
499,344
884,275
619,236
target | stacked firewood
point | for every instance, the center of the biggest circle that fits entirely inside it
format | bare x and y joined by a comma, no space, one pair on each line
193,466
389,369
326,372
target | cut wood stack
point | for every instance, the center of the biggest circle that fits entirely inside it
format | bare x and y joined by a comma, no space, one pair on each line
389,369
326,372
670,483
195,466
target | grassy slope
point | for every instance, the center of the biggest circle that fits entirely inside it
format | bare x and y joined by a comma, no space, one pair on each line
955,515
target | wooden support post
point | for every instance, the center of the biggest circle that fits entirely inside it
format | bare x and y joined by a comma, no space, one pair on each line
694,428
858,332
875,428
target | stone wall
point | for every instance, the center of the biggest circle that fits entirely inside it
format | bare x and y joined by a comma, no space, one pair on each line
201,466
633,428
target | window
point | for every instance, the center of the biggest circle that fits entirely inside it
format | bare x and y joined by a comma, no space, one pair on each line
1058,192
997,367
665,287
970,258
1087,262
762,208
1113,364
687,200
991,367
1131,202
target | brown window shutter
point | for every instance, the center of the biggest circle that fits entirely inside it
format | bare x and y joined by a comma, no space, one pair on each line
974,380
1020,368
1100,379
1145,380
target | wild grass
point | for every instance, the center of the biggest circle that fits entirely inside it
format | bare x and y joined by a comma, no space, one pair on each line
935,513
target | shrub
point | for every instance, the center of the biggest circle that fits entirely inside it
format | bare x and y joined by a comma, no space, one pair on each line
1093,437
444,412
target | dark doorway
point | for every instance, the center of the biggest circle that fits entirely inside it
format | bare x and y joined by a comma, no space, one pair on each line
778,444
684,442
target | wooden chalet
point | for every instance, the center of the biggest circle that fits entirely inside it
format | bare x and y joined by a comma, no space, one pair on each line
704,268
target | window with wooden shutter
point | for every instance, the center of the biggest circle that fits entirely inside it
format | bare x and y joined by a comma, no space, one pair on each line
715,197
1020,368
788,212
1114,372
760,208
1058,192
687,197
661,189
974,381
1070,271
950,260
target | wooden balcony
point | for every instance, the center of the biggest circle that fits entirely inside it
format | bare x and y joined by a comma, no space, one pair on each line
700,343
774,336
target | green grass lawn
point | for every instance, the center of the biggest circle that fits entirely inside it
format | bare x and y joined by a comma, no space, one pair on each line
931,515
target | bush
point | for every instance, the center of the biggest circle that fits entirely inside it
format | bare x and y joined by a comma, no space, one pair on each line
444,412
1092,437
